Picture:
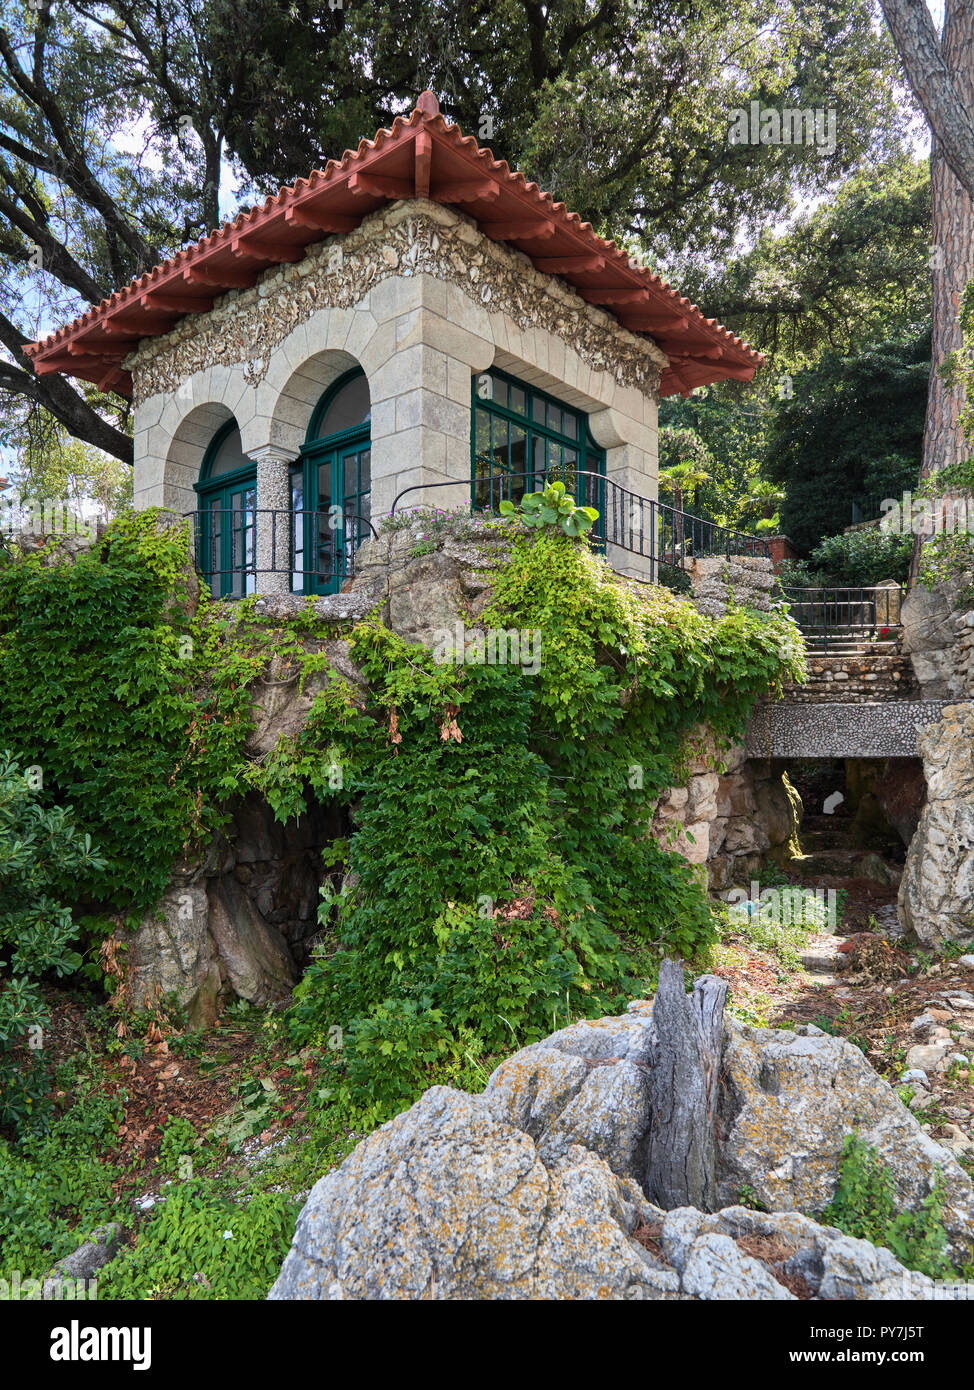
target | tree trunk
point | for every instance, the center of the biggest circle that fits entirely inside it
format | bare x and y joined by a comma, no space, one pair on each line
951,259
681,1166
952,255
936,78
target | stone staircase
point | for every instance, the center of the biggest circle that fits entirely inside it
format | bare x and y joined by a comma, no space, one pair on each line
852,669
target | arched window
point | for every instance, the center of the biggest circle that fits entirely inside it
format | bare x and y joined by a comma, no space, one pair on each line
331,487
521,436
227,490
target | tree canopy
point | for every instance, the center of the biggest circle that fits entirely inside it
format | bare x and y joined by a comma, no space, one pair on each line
854,427
119,123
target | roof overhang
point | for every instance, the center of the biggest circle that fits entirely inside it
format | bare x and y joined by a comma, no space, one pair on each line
422,156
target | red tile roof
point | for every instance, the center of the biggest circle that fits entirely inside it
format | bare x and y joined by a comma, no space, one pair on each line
423,155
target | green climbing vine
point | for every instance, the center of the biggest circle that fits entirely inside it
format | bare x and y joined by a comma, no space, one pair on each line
499,875
126,701
500,869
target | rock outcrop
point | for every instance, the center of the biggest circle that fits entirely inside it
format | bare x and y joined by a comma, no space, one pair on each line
533,1189
938,635
237,921
936,897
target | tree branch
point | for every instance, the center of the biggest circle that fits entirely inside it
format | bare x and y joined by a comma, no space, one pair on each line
930,78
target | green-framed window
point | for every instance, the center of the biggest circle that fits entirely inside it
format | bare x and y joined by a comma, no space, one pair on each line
226,534
521,436
331,487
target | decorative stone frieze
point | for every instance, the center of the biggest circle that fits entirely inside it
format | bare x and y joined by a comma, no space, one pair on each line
404,239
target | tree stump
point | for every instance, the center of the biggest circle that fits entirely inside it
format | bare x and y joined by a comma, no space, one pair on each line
681,1165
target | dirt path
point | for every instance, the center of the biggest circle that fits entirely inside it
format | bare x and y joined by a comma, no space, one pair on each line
861,982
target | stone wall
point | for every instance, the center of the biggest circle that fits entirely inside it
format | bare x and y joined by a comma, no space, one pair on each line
718,580
936,899
733,813
938,637
861,678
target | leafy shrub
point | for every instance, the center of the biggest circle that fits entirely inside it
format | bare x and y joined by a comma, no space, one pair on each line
864,1205
859,559
56,1187
501,844
234,1249
949,560
38,848
178,1140
553,506
135,713
393,1054
672,577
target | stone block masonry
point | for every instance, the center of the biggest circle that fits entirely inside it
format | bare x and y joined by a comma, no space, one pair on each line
718,580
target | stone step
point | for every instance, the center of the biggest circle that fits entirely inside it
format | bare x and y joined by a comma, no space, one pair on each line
844,863
821,956
812,841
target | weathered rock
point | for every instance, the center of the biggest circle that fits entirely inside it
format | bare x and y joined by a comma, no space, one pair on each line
446,1202
934,621
256,957
788,1103
282,702
728,821
936,897
85,1262
425,598
172,952
350,607
926,1057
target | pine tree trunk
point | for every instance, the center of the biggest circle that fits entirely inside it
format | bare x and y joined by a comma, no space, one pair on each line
951,261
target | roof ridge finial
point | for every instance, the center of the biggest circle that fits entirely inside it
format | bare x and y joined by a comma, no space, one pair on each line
428,104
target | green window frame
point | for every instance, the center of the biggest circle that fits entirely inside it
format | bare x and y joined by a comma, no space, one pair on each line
331,489
227,522
518,429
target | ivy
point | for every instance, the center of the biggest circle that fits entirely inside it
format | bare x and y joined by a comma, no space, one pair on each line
500,861
129,701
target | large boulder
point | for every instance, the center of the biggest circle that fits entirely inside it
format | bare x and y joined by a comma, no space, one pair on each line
172,952
936,897
533,1189
788,1102
938,635
445,1202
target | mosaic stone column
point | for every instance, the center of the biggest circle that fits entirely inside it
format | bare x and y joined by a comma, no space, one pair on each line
273,543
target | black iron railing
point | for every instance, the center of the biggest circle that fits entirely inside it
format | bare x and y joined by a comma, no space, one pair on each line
833,617
313,550
662,534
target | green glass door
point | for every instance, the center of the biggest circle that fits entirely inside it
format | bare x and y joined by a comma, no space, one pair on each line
331,500
331,488
228,539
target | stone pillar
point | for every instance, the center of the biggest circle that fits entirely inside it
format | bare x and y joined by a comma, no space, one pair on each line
631,463
273,541
421,395
888,595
